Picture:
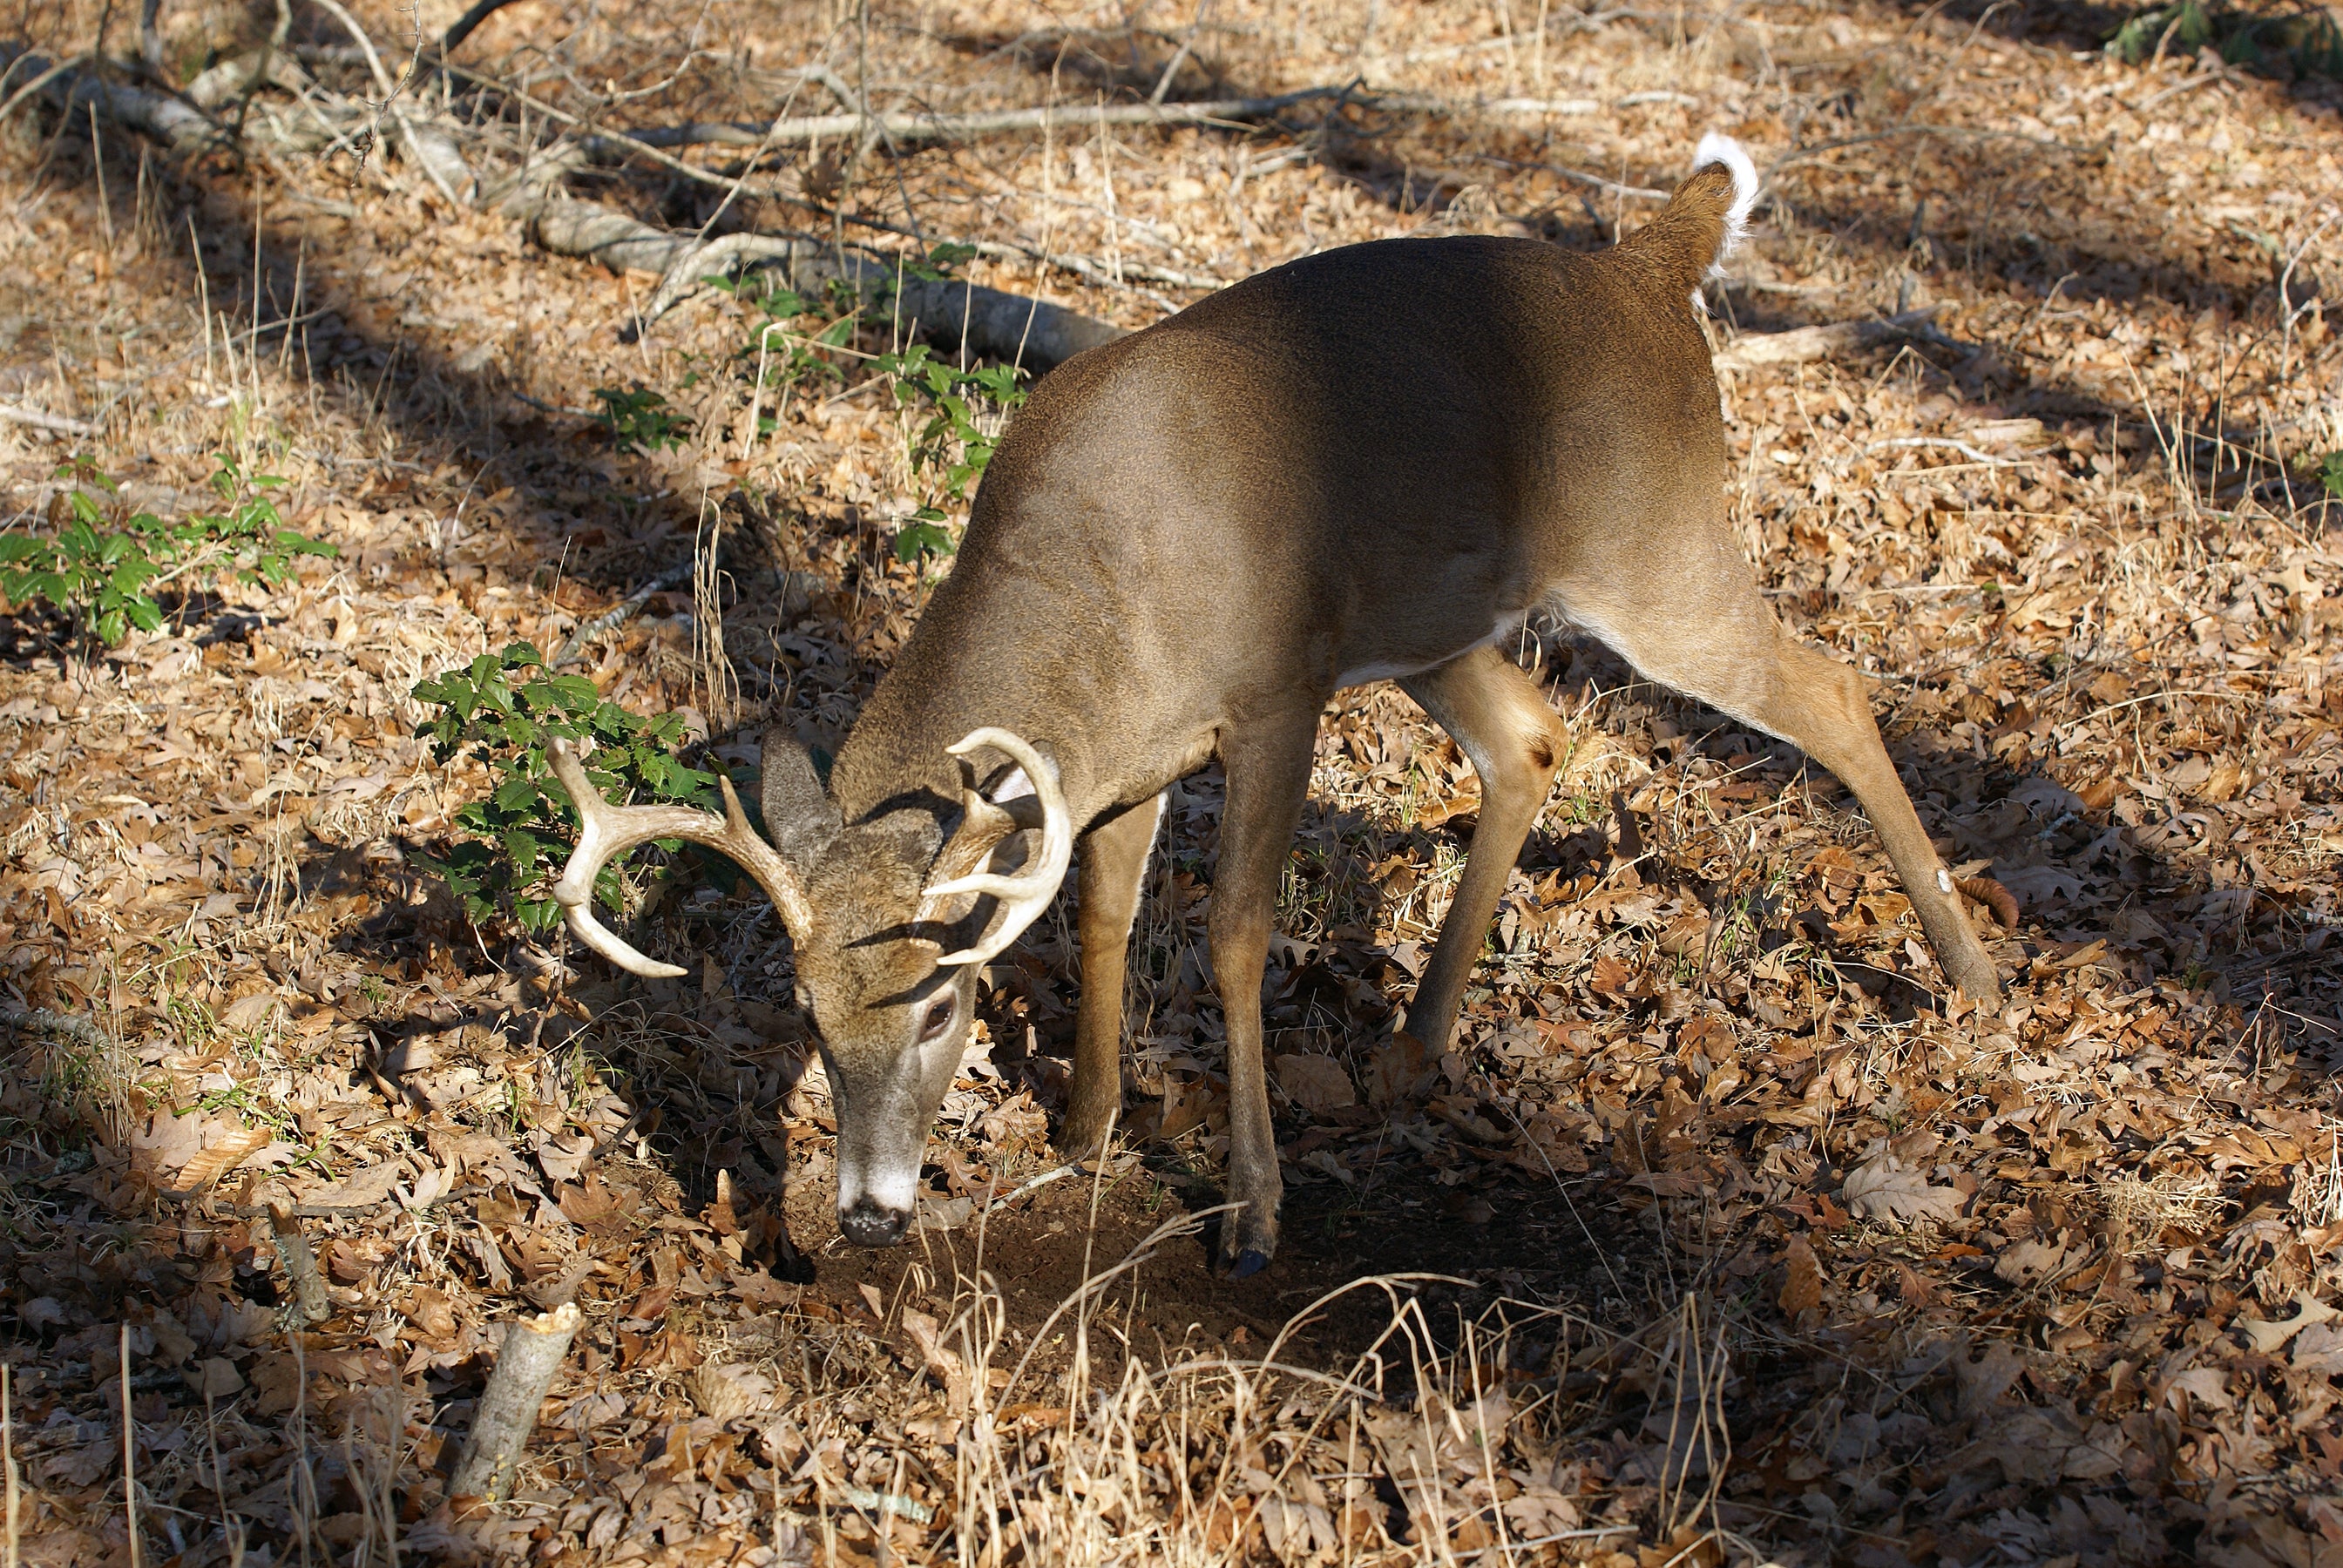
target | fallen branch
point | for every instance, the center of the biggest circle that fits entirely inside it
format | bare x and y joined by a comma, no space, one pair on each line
43,72
914,127
616,616
796,129
55,422
232,79
532,1354
1801,344
428,146
183,122
57,1025
1948,443
991,321
462,27
76,90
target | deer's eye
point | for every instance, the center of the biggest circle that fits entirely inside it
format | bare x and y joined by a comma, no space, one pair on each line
938,1019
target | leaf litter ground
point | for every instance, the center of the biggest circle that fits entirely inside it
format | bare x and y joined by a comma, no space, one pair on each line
1750,1245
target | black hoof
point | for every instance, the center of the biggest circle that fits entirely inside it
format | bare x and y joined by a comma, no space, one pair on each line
1250,1261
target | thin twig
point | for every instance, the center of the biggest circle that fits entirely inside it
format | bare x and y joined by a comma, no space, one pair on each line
1955,132
61,67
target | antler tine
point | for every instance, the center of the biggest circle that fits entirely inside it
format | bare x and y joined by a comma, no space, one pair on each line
607,831
1027,893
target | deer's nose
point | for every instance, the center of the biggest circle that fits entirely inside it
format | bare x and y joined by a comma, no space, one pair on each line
870,1224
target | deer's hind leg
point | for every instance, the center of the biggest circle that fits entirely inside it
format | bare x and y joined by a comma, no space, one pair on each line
1718,641
1516,744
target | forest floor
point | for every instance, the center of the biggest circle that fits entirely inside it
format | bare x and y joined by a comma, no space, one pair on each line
1723,1232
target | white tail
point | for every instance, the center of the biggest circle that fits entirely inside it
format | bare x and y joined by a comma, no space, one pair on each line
1716,147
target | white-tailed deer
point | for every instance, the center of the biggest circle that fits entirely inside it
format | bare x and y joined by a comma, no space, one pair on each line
1369,464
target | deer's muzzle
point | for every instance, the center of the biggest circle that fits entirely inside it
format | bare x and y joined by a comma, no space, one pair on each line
870,1223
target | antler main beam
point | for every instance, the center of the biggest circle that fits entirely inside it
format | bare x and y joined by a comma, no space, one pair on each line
608,832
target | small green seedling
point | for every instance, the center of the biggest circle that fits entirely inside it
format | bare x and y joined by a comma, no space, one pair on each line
106,564
2330,474
640,420
506,709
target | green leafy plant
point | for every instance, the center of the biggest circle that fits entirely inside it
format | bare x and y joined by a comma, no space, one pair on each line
2181,29
640,420
105,564
506,709
941,260
2330,474
775,356
949,450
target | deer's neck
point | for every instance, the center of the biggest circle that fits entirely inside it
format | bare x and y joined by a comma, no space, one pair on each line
991,649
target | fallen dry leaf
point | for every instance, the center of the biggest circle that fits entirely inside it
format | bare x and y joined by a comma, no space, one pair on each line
1802,1285
1884,1189
2269,1337
2028,1261
1315,1083
209,1165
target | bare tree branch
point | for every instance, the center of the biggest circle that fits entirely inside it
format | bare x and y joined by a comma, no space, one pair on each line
177,124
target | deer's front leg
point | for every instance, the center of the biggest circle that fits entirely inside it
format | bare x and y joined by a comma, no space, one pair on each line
1268,772
1114,864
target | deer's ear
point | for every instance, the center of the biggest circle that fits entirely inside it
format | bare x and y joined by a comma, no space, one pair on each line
800,818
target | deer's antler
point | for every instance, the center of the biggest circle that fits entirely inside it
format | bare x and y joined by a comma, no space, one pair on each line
608,832
1026,893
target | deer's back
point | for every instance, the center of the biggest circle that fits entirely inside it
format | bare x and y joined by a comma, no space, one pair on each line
1354,465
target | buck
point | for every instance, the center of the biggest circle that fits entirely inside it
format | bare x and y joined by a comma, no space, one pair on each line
1371,464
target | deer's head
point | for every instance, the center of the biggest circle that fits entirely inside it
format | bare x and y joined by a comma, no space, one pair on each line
891,919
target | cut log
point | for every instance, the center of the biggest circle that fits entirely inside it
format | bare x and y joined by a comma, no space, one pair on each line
532,1354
